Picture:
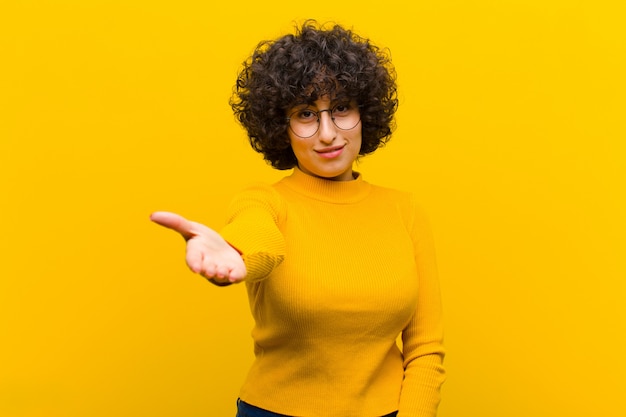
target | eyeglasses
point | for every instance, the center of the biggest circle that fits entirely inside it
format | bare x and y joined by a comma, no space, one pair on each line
305,122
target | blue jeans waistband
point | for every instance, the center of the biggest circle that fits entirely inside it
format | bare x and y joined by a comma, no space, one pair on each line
248,410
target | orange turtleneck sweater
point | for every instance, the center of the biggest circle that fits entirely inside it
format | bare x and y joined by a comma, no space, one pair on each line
337,270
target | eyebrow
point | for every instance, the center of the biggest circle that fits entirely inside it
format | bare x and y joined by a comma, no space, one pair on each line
333,103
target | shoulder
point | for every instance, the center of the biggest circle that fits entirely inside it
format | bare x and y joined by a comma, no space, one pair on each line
402,198
407,203
257,196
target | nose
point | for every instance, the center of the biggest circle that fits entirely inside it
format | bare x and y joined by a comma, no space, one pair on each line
327,130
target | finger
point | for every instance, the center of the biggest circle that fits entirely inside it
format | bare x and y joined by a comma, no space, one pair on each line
237,273
222,271
194,258
209,268
174,222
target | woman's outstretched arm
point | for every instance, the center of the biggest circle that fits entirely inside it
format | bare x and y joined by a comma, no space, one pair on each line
208,254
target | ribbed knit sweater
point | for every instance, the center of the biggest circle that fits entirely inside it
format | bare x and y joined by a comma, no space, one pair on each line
337,270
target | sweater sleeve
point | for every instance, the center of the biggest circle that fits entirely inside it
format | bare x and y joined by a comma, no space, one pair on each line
422,339
252,228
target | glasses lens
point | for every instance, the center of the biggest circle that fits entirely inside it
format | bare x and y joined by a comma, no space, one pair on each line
346,116
305,122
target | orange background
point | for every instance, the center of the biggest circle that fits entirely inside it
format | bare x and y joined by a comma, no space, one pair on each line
510,128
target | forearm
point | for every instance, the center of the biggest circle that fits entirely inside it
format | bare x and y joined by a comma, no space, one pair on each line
252,229
421,388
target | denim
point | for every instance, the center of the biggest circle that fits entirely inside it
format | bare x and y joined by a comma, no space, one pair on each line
246,410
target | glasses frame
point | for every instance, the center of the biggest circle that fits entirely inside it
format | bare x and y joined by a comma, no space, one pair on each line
317,113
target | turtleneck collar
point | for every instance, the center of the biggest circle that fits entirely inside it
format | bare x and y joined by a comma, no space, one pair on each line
338,192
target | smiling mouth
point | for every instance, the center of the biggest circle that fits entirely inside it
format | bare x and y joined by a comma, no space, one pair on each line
330,152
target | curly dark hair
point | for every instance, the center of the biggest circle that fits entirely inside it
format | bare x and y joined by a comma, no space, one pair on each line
300,68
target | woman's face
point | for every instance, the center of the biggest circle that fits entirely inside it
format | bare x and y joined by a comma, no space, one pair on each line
329,152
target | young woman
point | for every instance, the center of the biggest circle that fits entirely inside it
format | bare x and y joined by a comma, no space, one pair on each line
335,268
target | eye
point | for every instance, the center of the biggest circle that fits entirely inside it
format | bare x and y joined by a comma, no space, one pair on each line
306,115
342,109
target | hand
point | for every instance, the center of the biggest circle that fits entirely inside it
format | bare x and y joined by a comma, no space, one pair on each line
208,254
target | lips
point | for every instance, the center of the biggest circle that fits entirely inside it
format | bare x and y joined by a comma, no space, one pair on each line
330,152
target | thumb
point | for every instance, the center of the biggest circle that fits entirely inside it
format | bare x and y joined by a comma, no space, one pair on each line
174,222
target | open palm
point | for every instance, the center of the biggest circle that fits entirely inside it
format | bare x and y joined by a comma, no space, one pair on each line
208,254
